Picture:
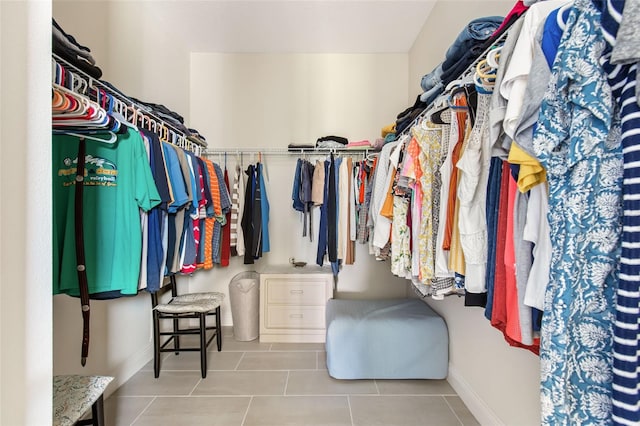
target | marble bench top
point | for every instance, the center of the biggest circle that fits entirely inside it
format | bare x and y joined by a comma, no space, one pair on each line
74,394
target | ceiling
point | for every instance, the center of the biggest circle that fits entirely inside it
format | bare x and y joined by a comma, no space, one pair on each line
295,26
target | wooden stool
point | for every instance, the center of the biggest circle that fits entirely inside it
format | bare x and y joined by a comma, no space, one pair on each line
72,397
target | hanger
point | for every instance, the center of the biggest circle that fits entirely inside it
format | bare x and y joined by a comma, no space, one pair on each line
492,57
164,132
79,84
239,160
436,116
112,136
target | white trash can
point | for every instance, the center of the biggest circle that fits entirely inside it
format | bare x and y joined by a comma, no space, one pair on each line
244,297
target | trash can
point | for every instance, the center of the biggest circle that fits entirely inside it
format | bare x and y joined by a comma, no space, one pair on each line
244,296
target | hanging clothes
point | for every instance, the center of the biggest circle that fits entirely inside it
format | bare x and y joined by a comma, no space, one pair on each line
226,230
322,232
118,182
191,230
255,217
221,217
155,256
264,211
620,63
577,142
238,203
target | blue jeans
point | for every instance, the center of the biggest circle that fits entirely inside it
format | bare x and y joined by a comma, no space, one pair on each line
476,31
431,94
493,204
432,79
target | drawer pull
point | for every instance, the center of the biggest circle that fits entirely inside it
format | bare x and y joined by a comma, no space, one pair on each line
296,291
297,316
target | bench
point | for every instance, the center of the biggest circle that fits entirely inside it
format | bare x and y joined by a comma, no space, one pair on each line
73,395
385,339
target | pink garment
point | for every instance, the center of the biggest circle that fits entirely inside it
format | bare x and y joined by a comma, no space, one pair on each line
518,9
513,313
365,143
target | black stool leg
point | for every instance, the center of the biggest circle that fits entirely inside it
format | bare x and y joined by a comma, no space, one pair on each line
156,344
218,329
97,412
176,337
203,344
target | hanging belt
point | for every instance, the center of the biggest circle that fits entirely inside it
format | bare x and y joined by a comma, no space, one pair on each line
80,256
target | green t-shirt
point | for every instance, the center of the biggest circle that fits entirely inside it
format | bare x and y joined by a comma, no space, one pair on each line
117,184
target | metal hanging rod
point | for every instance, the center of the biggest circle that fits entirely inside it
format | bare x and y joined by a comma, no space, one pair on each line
287,151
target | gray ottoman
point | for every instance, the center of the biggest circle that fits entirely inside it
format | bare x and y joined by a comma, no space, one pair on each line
385,339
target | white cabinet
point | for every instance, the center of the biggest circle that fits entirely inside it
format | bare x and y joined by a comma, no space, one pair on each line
292,303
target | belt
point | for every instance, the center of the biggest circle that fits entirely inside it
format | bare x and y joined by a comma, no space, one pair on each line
80,256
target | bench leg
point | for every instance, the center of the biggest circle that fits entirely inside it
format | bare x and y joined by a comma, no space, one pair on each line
97,412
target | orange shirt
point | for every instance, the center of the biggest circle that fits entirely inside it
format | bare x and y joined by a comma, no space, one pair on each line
453,182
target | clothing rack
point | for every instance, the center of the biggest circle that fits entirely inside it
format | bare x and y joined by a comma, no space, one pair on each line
139,114
470,69
289,151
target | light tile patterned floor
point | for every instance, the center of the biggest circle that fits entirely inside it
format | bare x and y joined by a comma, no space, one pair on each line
258,384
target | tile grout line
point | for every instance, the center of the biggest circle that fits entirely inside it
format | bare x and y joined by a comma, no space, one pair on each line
246,413
350,411
194,388
143,410
286,383
239,361
452,410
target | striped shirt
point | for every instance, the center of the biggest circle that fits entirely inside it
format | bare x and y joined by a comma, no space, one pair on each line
626,366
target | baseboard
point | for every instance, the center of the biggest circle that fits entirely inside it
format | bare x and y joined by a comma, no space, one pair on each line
472,400
131,366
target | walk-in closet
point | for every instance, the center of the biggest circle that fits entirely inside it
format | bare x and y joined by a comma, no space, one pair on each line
368,212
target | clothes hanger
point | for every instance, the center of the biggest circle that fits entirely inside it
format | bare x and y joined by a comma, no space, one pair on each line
79,84
111,140
81,100
436,116
492,57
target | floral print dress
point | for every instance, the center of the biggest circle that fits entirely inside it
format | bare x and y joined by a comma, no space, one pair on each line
577,141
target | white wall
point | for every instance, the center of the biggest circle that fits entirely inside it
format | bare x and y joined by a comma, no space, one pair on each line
270,100
144,61
25,185
498,383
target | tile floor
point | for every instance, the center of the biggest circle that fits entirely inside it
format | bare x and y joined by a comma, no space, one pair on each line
253,383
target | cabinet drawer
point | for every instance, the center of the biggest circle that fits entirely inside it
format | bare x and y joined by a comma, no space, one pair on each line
294,317
295,292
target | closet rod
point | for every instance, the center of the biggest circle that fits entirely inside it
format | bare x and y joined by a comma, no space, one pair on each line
470,69
93,82
287,151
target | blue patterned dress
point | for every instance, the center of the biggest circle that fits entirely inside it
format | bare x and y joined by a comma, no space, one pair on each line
577,141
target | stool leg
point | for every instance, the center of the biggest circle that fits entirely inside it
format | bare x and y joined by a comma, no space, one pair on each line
203,344
218,329
176,337
156,344
97,412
